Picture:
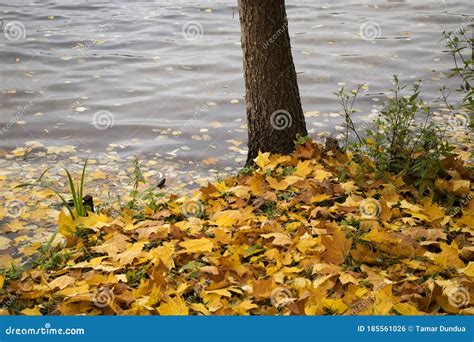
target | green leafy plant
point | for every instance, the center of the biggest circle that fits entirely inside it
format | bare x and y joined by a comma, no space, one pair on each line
76,207
76,191
12,273
404,139
246,170
55,261
149,196
302,139
138,178
459,45
347,101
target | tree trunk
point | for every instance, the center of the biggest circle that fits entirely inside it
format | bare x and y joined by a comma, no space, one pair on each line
274,113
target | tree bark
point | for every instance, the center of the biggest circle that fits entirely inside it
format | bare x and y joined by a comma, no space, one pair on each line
274,113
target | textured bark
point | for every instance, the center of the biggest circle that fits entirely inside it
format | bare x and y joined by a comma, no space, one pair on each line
274,113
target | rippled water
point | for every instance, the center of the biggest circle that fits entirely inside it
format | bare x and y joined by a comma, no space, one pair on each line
166,76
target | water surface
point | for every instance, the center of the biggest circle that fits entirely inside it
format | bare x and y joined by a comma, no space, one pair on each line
166,76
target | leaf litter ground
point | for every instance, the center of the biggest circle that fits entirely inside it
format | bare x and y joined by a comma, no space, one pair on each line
312,233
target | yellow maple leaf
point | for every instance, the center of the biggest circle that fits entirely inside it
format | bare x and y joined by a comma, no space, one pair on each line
461,187
227,218
210,161
62,282
433,211
404,204
197,245
320,198
199,307
132,252
321,175
262,160
346,278
303,168
305,244
4,243
383,301
224,292
244,306
256,184
277,159
381,236
14,226
74,291
66,224
349,187
263,288
277,185
221,186
165,254
335,305
279,238
31,312
449,256
117,243
407,309
468,270
174,307
92,220
337,246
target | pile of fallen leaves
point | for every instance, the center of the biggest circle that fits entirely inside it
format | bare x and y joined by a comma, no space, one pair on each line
312,233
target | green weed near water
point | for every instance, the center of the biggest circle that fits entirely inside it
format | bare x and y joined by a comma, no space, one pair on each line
404,140
76,207
459,44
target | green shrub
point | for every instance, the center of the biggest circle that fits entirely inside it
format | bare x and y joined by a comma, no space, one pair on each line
404,140
459,46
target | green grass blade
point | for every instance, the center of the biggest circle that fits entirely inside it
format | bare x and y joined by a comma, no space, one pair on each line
80,207
44,172
72,189
24,185
65,203
47,247
81,186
